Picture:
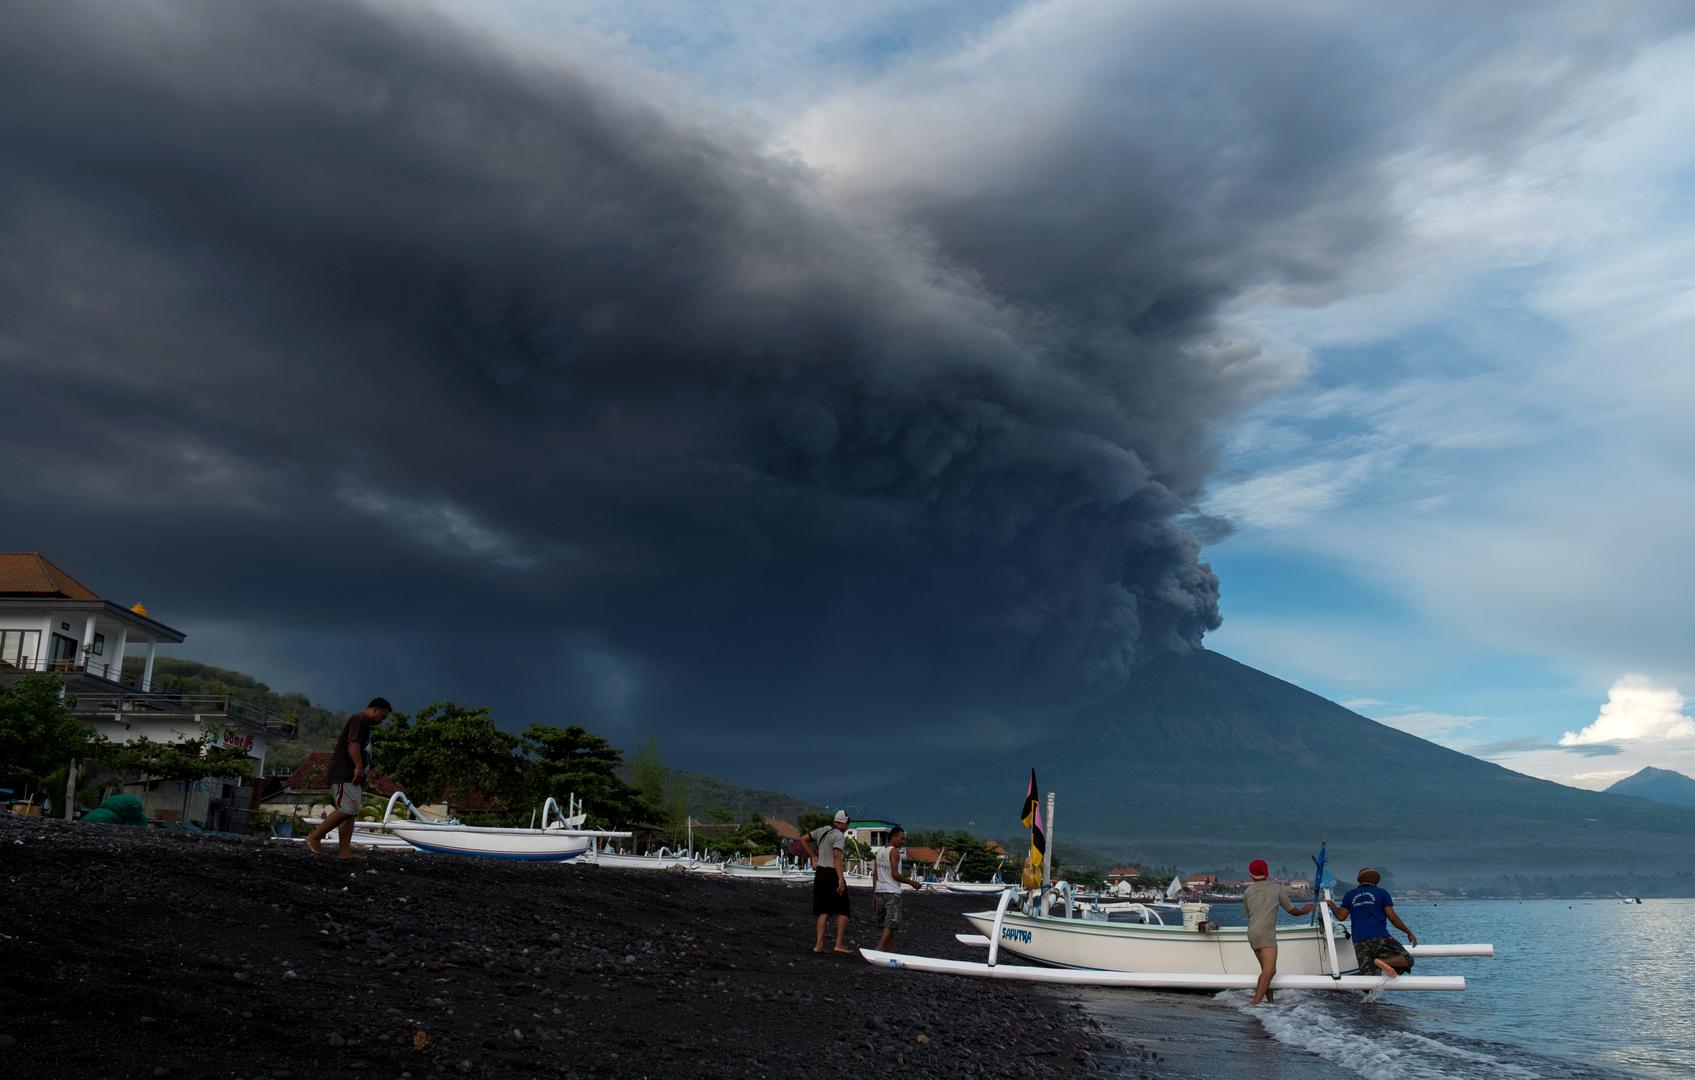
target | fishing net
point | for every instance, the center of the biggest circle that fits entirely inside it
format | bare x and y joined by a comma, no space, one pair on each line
118,810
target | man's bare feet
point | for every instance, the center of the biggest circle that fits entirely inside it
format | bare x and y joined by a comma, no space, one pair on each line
845,952
313,846
1385,968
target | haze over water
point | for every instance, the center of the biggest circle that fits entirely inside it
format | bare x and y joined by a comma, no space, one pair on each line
1577,989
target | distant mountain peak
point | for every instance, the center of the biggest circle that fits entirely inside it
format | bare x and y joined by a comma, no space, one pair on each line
1660,785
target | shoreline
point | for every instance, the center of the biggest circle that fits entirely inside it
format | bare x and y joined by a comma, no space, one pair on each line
140,953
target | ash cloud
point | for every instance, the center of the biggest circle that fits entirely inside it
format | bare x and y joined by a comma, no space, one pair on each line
475,373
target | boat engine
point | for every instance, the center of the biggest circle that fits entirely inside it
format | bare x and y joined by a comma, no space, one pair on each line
1195,916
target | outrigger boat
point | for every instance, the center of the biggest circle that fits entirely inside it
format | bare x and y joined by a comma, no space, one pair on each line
558,840
1194,954
377,834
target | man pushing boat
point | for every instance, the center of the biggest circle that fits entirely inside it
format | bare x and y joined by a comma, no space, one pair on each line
1372,909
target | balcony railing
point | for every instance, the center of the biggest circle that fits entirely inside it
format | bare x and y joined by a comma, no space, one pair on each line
98,669
135,701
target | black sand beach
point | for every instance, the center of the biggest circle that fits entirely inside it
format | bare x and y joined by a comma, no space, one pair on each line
140,953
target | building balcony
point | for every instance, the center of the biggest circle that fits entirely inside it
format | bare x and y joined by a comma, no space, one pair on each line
102,691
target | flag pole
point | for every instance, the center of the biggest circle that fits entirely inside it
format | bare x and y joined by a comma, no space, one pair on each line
1047,851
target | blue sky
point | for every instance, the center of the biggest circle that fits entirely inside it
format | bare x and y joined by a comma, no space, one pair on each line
1461,497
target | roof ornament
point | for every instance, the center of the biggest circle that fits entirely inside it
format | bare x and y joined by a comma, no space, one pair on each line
138,608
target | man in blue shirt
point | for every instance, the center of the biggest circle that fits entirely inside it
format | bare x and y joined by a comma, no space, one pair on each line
1372,910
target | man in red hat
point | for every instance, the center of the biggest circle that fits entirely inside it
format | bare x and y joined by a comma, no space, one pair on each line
1260,901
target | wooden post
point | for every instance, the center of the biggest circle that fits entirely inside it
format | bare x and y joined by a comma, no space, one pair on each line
71,790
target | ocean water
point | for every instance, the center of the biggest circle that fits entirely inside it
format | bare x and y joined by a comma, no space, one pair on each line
1576,989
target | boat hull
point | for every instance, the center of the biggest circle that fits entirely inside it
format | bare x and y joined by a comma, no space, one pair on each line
642,862
1106,946
526,844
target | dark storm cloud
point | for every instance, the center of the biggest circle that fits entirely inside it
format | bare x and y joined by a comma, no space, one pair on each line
501,379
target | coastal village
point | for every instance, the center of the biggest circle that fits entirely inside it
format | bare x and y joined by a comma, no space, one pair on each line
103,653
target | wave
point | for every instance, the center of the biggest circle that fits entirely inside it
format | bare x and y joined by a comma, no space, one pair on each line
1344,1033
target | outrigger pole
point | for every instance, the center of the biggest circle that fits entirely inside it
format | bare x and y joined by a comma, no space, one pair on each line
1321,890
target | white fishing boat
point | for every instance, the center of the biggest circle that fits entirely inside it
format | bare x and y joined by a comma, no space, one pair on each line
1189,945
663,859
557,840
1137,911
1193,953
977,888
377,834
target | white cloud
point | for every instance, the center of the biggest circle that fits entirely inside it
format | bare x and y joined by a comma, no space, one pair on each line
1360,703
1636,709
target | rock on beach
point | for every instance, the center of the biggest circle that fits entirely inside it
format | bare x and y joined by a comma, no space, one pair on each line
133,951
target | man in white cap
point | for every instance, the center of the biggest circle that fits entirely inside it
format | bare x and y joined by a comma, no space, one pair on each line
824,845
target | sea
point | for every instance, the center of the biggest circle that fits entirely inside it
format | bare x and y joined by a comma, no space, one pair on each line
1576,989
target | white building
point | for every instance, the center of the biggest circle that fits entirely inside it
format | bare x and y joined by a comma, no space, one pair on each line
104,652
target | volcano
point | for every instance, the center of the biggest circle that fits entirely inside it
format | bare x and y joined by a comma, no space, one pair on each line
1204,763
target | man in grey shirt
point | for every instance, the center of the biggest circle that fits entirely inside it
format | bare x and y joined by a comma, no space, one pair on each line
1260,901
826,847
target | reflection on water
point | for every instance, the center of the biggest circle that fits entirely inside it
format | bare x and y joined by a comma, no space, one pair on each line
1592,981
1577,989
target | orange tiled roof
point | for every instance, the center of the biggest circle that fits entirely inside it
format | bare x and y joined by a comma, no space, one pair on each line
27,574
313,774
923,854
1124,871
785,830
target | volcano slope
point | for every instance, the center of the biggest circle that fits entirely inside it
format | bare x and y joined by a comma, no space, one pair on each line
1204,763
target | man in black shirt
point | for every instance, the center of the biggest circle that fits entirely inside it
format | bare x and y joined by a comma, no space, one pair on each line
348,766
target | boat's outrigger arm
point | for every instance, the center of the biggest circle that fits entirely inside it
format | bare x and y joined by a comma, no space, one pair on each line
1000,918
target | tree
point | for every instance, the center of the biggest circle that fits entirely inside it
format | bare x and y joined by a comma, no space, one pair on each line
814,819
38,734
572,760
660,788
448,752
973,857
183,762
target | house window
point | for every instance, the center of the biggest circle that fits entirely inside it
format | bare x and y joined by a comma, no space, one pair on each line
19,647
99,645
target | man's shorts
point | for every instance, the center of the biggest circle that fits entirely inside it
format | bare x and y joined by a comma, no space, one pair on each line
347,797
888,911
1379,948
825,899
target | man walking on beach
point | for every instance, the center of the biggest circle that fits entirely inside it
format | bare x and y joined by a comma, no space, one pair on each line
825,846
886,880
349,765
1371,907
1260,901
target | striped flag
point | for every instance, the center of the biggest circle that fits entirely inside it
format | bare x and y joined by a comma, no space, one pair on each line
1031,816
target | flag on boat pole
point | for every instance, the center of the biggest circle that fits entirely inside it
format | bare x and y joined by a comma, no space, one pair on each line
1031,816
